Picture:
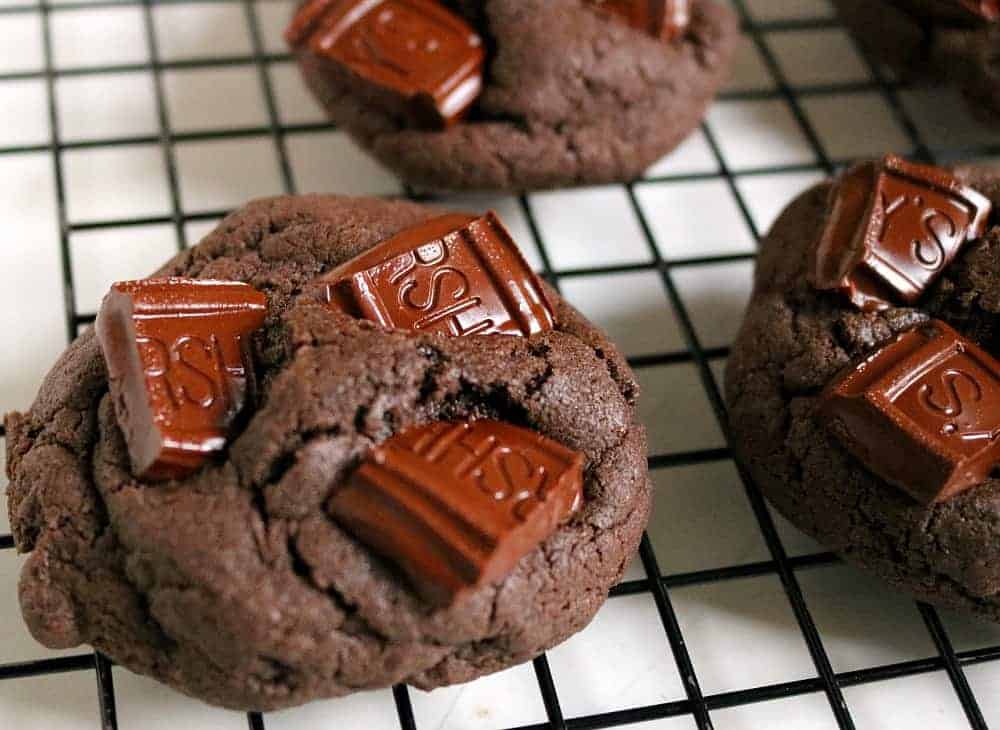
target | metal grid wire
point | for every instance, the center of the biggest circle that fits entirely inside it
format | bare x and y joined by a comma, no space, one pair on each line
696,704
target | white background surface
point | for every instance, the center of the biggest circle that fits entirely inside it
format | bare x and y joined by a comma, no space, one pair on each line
801,97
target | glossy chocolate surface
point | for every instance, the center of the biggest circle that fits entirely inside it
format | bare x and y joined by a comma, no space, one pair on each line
665,19
456,505
417,52
923,412
178,367
892,228
455,274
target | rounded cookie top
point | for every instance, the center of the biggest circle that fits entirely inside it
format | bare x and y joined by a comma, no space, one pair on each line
236,585
570,96
793,343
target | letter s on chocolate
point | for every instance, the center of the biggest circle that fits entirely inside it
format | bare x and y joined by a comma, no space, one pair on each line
455,274
178,367
456,505
923,412
892,228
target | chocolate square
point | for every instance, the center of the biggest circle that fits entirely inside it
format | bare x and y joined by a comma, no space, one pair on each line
416,56
178,367
457,505
891,230
455,274
923,412
664,19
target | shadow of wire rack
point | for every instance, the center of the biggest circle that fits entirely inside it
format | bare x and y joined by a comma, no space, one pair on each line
789,86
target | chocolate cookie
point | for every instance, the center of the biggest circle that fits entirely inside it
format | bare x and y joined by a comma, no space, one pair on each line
938,41
239,583
515,94
877,484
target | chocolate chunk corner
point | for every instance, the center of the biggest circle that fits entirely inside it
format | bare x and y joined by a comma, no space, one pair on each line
414,58
922,412
455,274
892,228
456,505
663,19
178,367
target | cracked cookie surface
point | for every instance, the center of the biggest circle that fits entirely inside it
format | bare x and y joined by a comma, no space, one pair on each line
571,97
793,341
236,585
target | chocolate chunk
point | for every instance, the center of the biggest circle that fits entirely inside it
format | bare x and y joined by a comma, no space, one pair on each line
972,10
411,57
665,19
455,274
958,12
455,505
178,367
892,228
923,412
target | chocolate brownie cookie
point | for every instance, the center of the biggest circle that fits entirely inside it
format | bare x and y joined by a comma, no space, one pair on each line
804,354
954,42
242,583
531,94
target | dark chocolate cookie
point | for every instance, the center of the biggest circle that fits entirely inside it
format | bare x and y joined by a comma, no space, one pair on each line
954,42
570,95
793,343
236,585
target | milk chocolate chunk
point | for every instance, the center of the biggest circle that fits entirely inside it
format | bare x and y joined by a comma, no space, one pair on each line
923,412
456,505
455,274
178,367
412,57
892,228
665,19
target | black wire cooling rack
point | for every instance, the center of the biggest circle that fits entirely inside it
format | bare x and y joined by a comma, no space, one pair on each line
696,705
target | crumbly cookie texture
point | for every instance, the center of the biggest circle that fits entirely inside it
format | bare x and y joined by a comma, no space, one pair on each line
793,341
571,97
962,56
235,585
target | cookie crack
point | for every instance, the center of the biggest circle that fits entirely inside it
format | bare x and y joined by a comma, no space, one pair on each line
353,623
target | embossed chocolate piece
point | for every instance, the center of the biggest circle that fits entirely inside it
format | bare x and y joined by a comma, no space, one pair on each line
892,228
413,57
665,19
178,367
923,412
455,505
455,274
